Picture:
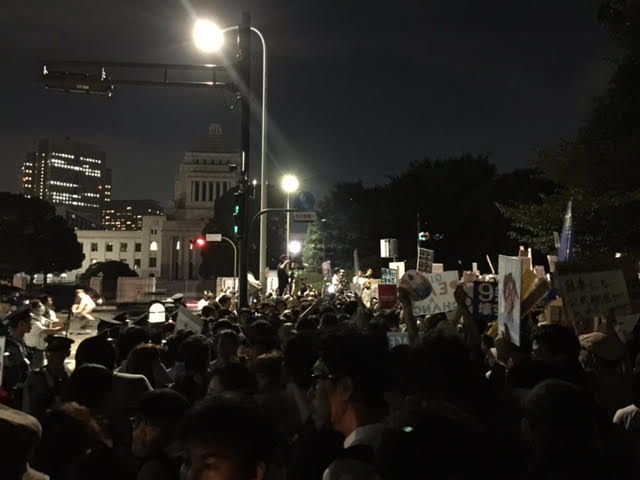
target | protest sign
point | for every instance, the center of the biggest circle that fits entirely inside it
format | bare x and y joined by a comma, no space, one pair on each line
624,326
437,268
431,293
387,296
326,269
485,301
2,348
397,338
510,293
187,320
398,266
389,276
594,293
539,271
553,260
425,260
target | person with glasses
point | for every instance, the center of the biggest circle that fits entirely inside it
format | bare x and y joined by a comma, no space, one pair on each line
350,377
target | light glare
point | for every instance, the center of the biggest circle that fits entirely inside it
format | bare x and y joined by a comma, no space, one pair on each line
207,36
295,247
290,184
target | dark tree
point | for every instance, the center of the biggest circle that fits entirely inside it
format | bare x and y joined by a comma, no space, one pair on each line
110,271
33,239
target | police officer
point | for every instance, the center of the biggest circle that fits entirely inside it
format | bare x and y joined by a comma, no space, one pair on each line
16,361
43,388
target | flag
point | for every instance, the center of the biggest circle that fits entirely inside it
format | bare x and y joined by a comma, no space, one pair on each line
565,252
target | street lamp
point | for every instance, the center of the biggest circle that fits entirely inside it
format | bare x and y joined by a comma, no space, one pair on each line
208,35
290,185
295,247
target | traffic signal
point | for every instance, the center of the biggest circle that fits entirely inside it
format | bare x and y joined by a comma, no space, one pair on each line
200,242
423,236
238,215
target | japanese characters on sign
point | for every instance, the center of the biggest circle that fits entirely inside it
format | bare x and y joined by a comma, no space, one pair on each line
485,301
594,293
425,260
389,276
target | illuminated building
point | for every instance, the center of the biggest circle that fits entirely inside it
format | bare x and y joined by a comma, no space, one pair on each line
65,172
127,214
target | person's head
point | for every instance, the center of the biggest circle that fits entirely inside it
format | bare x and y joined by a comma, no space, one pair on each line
47,301
262,337
300,354
370,272
268,371
224,324
89,384
130,338
281,306
558,415
554,342
20,433
350,378
69,430
96,350
145,360
226,438
233,377
209,311
195,352
154,422
20,321
227,344
225,301
58,349
309,323
37,308
328,321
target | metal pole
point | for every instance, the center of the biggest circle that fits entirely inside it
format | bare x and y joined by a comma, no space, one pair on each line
244,71
235,261
288,226
263,164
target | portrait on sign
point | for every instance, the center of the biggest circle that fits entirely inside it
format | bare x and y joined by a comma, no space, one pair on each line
509,296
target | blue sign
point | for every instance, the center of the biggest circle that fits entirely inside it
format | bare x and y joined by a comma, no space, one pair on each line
304,201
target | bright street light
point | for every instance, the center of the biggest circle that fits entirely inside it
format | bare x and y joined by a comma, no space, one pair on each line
207,36
290,184
295,247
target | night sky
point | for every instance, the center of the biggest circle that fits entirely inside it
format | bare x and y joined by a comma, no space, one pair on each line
357,89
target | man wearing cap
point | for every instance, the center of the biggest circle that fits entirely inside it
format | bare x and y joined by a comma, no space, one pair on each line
154,424
44,387
16,362
41,327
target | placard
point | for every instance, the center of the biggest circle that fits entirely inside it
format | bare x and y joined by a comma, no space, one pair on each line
437,268
425,260
431,293
397,338
387,296
399,267
485,301
510,295
185,320
594,293
389,276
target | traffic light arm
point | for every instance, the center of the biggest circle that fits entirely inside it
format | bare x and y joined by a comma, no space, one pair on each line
267,210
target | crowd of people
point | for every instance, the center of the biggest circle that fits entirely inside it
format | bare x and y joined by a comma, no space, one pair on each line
307,387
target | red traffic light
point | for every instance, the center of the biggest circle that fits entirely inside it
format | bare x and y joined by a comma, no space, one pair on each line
200,242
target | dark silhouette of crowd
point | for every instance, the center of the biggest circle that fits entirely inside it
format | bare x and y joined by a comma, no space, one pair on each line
308,388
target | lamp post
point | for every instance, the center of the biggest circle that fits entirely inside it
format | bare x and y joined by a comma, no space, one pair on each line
290,185
208,37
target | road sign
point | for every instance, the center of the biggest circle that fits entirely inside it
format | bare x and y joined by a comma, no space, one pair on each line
305,216
213,237
304,201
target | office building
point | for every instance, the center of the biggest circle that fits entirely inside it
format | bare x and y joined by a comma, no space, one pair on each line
127,214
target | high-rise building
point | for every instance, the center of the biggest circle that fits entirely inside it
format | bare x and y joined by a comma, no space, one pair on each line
127,214
65,172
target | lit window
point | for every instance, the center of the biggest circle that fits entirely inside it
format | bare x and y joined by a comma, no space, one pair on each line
178,245
154,246
137,263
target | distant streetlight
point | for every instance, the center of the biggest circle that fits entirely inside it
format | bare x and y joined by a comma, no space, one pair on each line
290,185
208,37
295,247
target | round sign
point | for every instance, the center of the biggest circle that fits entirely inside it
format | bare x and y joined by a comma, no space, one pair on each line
304,201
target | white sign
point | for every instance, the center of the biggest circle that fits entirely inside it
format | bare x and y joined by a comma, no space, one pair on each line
388,248
397,266
186,320
213,237
594,293
305,216
441,299
397,338
389,276
156,313
510,295
425,260
437,268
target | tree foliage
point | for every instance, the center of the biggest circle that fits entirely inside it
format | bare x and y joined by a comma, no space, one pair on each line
33,239
110,271
599,167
